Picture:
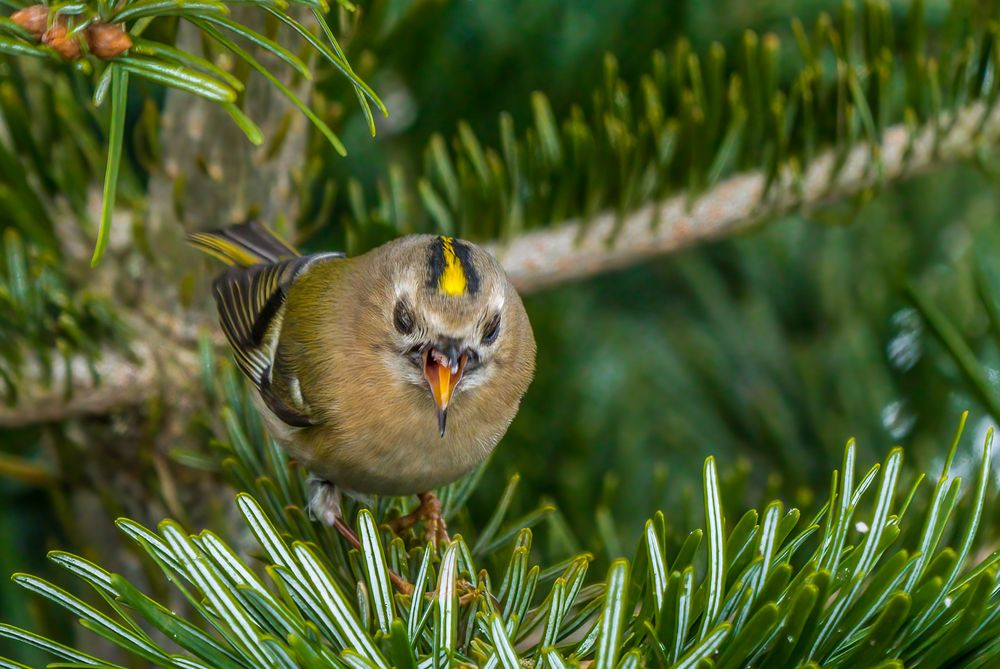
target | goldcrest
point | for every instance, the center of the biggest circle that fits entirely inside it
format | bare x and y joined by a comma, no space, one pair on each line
391,373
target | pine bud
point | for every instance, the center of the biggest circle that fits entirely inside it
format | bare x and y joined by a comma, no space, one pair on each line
33,19
59,38
108,41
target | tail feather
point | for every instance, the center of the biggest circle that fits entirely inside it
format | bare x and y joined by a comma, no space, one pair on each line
244,245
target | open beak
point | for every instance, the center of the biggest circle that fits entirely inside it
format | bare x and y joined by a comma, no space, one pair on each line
443,371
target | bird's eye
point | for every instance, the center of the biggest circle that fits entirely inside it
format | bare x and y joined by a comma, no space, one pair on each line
492,330
402,319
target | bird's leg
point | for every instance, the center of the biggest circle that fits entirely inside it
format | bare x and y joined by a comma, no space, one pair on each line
434,525
324,505
429,511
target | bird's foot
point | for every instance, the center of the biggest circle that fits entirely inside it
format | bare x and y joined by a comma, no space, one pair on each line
430,512
467,593
324,506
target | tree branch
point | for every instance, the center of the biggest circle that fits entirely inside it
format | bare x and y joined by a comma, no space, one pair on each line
574,250
156,368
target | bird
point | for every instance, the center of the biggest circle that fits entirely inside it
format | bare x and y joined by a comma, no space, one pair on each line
393,372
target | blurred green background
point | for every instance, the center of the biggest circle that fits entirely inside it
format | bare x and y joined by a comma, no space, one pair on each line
768,350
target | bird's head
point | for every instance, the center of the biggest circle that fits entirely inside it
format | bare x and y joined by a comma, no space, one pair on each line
457,324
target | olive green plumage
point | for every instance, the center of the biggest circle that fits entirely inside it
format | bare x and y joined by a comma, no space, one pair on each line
393,372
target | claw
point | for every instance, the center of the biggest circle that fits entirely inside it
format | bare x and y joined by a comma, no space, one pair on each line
467,593
429,511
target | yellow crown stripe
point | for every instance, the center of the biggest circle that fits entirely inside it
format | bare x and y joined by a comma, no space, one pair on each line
452,281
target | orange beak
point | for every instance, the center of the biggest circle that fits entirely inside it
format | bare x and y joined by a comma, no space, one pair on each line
443,371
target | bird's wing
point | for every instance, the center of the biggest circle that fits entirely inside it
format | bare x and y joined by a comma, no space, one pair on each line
245,244
251,304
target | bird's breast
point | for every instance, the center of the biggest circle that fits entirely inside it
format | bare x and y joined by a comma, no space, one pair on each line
400,451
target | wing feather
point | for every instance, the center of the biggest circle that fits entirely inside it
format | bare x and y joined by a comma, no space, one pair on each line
244,245
251,304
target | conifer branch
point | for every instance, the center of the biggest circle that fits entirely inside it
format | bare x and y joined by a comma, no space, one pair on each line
108,383
871,593
121,381
577,249
647,156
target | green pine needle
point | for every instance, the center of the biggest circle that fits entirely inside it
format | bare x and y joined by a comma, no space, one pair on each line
116,133
776,605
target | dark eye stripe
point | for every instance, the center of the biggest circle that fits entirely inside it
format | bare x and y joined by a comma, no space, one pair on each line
492,330
402,319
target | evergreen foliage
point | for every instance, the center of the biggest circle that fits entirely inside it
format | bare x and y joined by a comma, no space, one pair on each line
741,341
37,305
864,582
168,66
691,119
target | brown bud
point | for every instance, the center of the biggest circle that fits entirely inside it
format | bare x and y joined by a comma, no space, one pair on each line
108,41
59,38
33,19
